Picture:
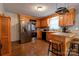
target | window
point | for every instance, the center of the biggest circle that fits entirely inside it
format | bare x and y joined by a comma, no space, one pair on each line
53,23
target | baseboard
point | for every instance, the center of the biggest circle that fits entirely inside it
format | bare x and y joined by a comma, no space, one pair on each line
18,41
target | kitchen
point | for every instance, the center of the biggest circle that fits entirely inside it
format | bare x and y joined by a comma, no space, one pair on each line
53,28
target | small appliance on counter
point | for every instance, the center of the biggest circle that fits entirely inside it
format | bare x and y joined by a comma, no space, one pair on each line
65,29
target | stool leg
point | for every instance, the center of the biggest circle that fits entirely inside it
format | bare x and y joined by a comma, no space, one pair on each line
57,49
70,48
49,48
60,50
78,49
52,48
73,46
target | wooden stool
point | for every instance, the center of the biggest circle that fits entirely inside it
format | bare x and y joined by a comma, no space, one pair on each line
55,47
72,46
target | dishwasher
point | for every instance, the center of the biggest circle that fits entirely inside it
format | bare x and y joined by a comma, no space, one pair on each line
44,35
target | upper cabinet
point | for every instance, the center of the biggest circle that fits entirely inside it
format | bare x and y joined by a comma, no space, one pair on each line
37,23
44,22
41,22
68,19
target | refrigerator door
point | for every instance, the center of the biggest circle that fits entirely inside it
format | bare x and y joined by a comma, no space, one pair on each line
26,33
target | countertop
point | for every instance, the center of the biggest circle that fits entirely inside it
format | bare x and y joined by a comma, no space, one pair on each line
64,34
73,34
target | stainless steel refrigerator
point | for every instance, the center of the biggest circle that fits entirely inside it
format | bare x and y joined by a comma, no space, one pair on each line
26,31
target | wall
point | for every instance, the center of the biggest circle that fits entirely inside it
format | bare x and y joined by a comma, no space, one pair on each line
14,25
1,9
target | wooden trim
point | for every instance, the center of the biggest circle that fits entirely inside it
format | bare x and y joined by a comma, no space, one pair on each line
19,23
15,41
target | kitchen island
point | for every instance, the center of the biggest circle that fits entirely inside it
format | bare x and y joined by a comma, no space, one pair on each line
65,38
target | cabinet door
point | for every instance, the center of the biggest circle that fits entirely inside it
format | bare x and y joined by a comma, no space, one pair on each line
61,20
44,23
67,19
39,34
72,16
5,36
38,23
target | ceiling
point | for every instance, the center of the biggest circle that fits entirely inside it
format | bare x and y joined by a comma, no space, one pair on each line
29,8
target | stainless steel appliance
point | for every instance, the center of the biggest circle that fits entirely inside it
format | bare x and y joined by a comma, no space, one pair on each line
27,29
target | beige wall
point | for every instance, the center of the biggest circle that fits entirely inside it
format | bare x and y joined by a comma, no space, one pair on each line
1,9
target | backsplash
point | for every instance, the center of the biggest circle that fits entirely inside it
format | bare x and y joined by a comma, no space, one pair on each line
43,29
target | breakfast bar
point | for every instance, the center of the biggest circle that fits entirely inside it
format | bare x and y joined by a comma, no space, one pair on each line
65,38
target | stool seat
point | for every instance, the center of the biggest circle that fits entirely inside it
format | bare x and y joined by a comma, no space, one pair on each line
55,41
75,42
76,39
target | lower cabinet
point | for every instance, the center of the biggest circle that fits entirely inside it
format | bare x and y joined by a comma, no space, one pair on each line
39,34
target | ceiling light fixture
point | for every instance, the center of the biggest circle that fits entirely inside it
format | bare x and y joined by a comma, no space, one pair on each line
40,8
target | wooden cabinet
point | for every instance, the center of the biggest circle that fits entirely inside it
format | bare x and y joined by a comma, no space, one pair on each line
44,22
68,19
72,16
39,34
5,35
37,23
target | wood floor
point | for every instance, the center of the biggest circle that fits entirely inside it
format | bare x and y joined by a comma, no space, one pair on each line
35,48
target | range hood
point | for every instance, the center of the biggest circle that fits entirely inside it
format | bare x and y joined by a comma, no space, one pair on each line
62,10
